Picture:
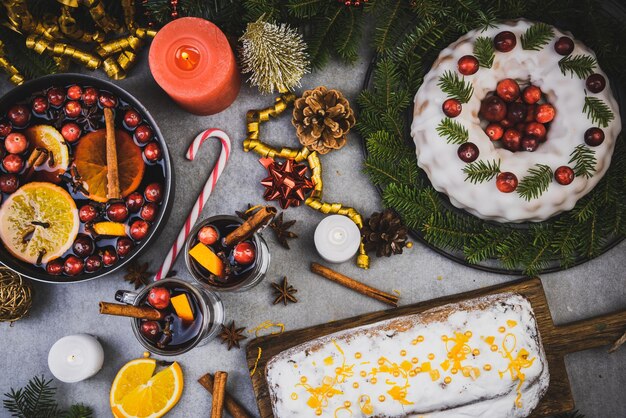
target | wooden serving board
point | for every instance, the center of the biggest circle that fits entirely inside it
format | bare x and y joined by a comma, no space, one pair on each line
557,340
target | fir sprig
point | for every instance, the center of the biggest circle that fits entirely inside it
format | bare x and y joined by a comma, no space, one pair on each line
484,51
536,183
537,36
598,111
584,159
481,171
581,65
453,131
456,87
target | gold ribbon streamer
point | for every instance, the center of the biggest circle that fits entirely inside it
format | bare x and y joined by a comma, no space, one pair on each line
14,74
69,28
60,49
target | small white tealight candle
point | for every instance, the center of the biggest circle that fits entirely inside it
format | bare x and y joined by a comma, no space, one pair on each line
75,358
337,238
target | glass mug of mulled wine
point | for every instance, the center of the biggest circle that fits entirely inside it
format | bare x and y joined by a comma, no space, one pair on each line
221,267
191,316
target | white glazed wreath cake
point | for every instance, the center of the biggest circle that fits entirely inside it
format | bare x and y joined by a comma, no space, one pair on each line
523,176
479,358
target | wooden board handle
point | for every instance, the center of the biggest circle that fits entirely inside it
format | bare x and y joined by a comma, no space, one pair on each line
588,333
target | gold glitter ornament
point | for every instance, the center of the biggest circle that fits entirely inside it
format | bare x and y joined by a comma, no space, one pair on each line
15,296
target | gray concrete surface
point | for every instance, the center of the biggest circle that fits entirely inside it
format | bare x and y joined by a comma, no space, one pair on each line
595,288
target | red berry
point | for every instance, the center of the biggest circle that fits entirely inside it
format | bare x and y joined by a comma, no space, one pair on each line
93,263
123,246
90,96
468,65
452,108
151,330
56,96
506,123
493,109
467,152
19,115
143,134
134,201
117,212
505,41
55,267
544,113
508,90
595,83
531,94
40,105
132,118
73,109
5,128
107,99
71,132
529,144
152,152
208,235
564,175
15,143
506,182
139,230
244,253
594,137
530,113
153,192
87,213
516,112
494,131
74,92
109,256
73,265
159,297
13,163
9,183
512,140
564,46
535,129
83,245
148,212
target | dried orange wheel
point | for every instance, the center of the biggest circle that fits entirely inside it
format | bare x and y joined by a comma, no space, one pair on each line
91,163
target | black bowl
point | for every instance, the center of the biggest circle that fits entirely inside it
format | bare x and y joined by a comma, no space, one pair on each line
23,92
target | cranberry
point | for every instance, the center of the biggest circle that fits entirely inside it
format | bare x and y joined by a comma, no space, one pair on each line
595,83
56,96
40,105
530,113
134,201
516,112
9,183
564,175
594,137
493,109
506,123
151,330
123,246
544,113
5,128
452,108
535,129
73,266
109,256
87,213
71,132
564,46
90,96
93,263
13,163
505,41
107,99
153,192
159,297
148,212
117,212
55,267
15,143
143,134
83,245
494,131
506,182
468,65
531,94
139,230
244,253
208,235
467,152
132,118
512,139
19,115
152,152
73,109
529,144
508,90
74,92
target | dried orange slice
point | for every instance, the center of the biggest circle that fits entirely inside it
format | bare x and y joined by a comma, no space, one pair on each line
38,222
47,137
91,163
110,229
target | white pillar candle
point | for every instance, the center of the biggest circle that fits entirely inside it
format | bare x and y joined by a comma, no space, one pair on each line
75,358
337,238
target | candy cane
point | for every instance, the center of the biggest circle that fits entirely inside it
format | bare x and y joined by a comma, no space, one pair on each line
202,197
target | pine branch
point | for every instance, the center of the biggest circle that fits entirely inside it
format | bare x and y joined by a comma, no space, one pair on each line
537,36
598,111
36,399
453,131
481,171
538,255
456,87
448,230
484,245
79,411
484,51
347,41
585,160
535,184
303,9
581,65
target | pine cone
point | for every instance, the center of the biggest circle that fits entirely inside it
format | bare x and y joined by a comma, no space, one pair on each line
385,233
322,119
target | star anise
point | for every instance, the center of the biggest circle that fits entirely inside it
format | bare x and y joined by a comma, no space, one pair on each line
281,230
57,116
246,213
137,274
90,118
284,292
231,335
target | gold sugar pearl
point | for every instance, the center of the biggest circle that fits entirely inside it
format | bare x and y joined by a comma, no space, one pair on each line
476,352
468,334
414,360
381,361
357,355
373,380
420,339
363,373
494,348
412,373
355,385
294,396
403,353
303,379
501,329
396,374
431,356
414,342
347,404
318,412
447,380
454,371
381,398
418,369
338,370
487,367
444,338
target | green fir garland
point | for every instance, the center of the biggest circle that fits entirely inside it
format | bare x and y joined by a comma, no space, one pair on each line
537,36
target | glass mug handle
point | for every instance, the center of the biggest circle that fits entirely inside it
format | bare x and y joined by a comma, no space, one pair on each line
124,296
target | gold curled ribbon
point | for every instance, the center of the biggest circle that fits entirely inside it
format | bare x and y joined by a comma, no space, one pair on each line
132,42
60,49
15,76
100,16
69,28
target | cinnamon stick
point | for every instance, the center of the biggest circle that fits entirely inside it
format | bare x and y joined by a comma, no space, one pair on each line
250,226
219,392
140,312
113,180
357,286
620,342
231,405
35,159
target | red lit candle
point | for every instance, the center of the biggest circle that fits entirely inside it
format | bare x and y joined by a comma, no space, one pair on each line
191,59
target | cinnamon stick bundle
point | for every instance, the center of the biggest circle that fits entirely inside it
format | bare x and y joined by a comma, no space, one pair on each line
113,180
231,405
35,159
219,392
250,226
357,286
140,312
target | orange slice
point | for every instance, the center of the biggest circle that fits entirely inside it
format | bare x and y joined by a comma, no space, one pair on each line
90,161
110,229
47,137
182,307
